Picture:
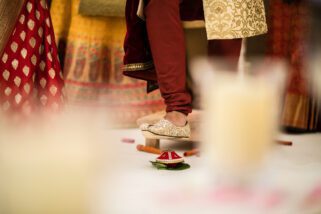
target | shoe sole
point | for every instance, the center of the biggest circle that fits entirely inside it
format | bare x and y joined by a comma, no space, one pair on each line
151,135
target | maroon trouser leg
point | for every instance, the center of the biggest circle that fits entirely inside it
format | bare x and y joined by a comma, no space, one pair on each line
167,42
226,49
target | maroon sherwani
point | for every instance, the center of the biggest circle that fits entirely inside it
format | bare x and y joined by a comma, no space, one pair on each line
155,49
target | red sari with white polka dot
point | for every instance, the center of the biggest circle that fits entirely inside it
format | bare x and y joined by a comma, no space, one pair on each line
30,73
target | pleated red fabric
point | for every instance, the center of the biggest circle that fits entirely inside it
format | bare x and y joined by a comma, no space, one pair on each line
30,73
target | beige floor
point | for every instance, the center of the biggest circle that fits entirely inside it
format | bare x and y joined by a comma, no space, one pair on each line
291,174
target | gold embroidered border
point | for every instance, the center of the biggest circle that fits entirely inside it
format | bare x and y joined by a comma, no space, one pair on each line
138,66
106,8
193,24
300,112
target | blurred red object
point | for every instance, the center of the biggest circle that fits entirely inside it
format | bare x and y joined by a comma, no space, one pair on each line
128,140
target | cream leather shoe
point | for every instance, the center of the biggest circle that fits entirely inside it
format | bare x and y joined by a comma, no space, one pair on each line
168,129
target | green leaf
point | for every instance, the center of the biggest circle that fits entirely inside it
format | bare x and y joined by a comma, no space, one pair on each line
159,165
179,166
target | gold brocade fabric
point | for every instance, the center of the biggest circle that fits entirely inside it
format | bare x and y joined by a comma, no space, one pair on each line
300,112
102,7
229,19
9,10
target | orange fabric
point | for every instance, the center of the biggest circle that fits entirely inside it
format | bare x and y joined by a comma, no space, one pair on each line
94,52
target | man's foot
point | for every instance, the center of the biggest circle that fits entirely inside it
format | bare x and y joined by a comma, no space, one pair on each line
166,128
174,124
176,118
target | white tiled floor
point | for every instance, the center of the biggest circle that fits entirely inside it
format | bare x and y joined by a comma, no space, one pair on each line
137,187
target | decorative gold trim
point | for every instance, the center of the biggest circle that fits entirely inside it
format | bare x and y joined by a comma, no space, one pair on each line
295,111
193,24
106,8
138,66
300,112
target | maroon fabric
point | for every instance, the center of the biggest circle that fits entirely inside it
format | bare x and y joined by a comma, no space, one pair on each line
229,49
162,34
166,38
191,10
136,45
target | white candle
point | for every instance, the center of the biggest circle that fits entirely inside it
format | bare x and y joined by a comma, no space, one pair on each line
240,122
